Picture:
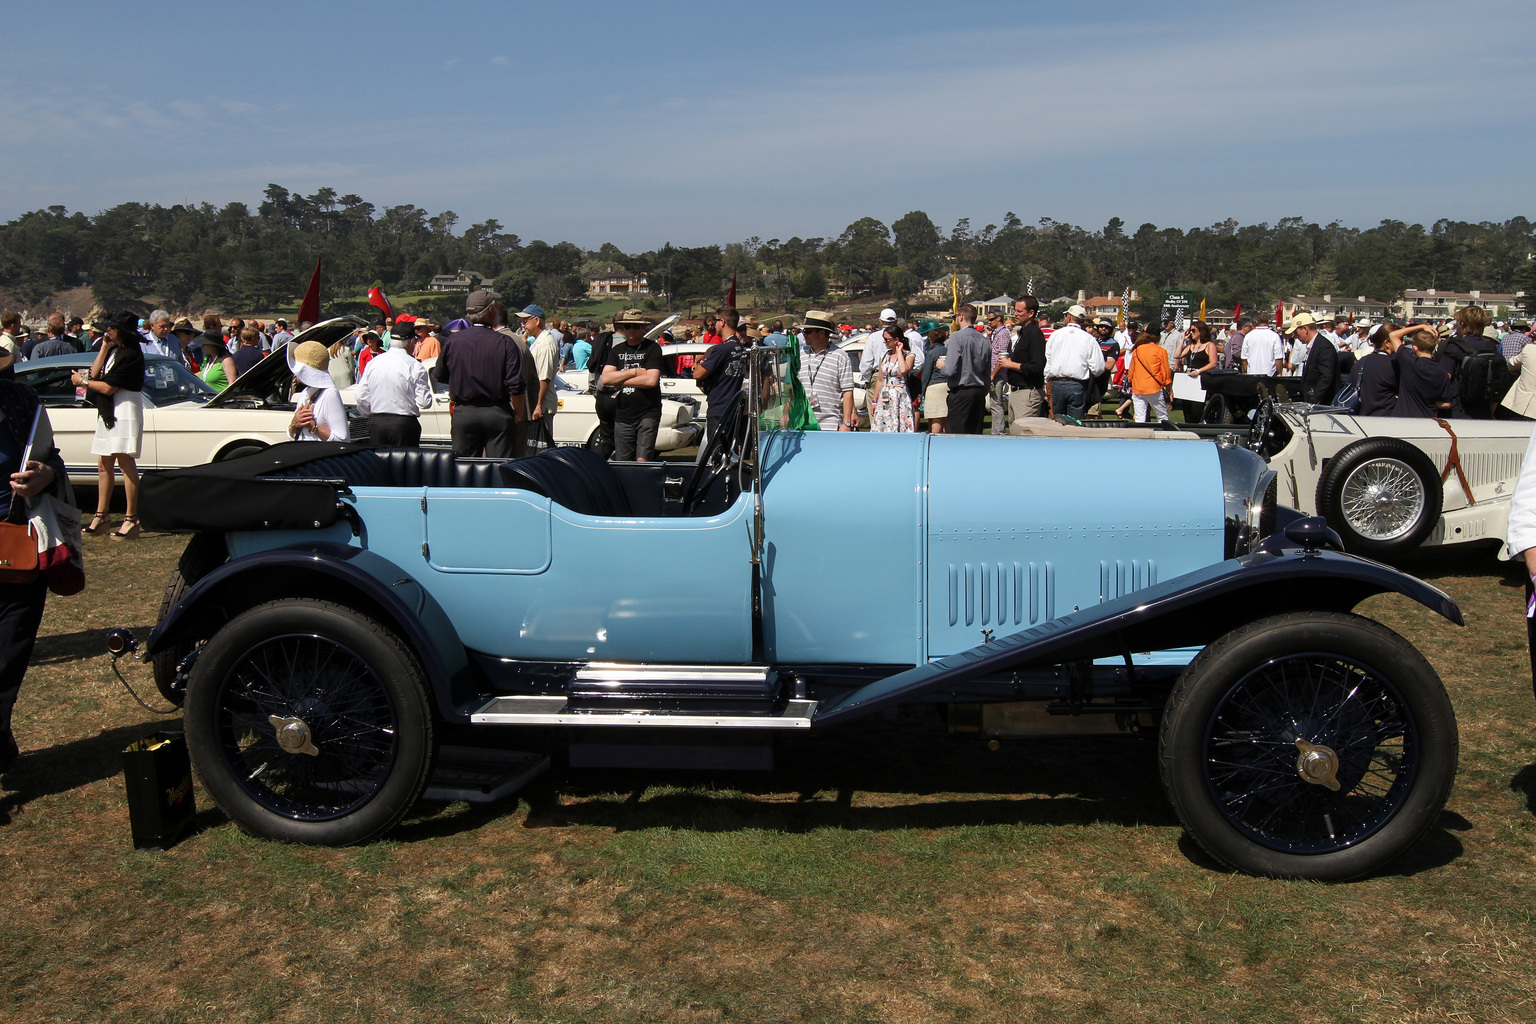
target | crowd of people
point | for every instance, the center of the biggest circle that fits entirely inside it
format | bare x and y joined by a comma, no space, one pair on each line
1027,365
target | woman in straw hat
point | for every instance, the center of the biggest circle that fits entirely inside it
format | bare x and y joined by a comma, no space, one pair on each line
320,414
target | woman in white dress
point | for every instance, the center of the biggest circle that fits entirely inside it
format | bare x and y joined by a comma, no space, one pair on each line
115,386
319,414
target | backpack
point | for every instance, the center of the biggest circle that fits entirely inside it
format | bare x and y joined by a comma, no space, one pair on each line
1482,378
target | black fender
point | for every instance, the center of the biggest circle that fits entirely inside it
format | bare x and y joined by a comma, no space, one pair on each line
352,576
1187,611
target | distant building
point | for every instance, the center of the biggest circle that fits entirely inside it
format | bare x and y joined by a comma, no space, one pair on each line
940,288
1430,304
1358,307
1002,304
463,281
617,283
1107,306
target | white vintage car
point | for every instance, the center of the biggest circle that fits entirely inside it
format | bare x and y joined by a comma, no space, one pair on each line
1388,484
186,422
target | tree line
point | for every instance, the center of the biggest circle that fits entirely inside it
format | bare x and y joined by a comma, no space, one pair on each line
190,257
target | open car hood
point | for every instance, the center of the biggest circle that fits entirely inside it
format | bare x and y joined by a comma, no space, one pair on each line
271,373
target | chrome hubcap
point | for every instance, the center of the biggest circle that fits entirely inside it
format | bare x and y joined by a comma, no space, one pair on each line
1382,499
1317,764
293,735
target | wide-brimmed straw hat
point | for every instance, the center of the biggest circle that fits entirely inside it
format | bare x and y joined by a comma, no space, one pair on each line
310,362
818,320
632,318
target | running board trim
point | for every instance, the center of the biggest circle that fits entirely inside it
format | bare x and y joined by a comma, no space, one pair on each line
627,672
534,710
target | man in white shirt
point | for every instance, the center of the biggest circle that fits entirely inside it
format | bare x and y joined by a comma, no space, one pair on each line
874,351
546,363
393,394
1072,358
1263,352
282,336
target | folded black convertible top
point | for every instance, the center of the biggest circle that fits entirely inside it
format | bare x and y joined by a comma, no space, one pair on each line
245,493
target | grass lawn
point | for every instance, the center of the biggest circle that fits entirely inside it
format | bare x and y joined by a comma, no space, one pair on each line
882,873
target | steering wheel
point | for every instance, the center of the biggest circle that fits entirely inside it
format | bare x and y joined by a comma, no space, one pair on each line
1260,429
716,460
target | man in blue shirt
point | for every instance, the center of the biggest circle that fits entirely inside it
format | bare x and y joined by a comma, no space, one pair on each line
721,371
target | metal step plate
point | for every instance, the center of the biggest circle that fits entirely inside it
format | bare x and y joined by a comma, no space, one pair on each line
554,711
482,776
621,672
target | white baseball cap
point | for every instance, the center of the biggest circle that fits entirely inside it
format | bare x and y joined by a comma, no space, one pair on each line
887,316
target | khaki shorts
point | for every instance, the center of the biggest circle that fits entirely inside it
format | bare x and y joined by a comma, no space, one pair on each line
936,402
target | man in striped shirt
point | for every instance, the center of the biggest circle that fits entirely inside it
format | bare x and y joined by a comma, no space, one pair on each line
826,374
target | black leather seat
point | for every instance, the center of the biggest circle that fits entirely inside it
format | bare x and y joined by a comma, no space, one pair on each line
573,478
360,469
429,467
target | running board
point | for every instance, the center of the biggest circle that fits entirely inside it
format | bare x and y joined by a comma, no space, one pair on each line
556,711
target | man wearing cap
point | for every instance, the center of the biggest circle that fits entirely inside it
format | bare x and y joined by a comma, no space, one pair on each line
544,350
483,370
826,374
1072,359
531,322
968,372
721,371
1263,351
633,370
1025,362
393,393
1320,375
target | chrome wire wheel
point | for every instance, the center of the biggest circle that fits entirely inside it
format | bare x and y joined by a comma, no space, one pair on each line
1382,499
1311,754
306,727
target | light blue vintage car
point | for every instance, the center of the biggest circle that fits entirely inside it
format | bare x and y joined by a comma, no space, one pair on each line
338,608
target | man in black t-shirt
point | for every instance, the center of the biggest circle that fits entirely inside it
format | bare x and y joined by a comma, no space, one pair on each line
633,371
721,370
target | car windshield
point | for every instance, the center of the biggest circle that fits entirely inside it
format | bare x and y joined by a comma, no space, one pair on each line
166,382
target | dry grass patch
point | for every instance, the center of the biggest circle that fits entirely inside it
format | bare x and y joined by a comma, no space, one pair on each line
883,873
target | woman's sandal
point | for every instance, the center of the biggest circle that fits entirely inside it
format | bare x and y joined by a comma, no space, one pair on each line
130,530
101,522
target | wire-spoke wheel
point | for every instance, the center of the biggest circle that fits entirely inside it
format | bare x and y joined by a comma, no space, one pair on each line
308,723
1382,495
1309,746
1382,499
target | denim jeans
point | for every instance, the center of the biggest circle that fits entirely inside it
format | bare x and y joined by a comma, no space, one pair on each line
1069,397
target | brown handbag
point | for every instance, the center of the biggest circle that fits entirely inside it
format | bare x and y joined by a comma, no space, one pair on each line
18,553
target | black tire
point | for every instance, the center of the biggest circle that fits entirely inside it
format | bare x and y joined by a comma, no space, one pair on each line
203,553
358,699
166,661
1382,495
1217,410
1232,750
239,451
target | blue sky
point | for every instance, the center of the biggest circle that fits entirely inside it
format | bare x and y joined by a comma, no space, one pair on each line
710,122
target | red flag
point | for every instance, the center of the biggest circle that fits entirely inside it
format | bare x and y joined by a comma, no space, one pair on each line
377,298
1279,313
1237,311
730,296
309,309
